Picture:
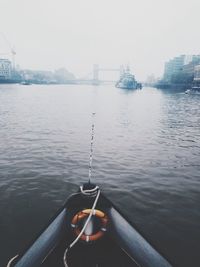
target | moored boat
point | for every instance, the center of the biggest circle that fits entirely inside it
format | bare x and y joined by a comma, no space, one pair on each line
127,80
25,82
89,231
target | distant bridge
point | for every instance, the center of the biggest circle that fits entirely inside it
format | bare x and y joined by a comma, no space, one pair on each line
93,77
97,70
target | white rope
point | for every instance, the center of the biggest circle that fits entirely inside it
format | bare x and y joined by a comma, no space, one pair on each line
11,260
85,192
91,149
89,192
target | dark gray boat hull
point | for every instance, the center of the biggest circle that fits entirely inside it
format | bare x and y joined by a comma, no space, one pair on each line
137,249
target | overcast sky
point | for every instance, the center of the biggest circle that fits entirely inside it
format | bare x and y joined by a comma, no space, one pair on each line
49,34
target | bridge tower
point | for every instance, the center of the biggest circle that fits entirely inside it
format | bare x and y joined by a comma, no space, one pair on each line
96,73
97,69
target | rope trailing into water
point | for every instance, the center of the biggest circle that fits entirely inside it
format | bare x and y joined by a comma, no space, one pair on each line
87,192
91,150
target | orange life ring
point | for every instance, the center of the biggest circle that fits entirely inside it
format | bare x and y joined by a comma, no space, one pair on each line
82,215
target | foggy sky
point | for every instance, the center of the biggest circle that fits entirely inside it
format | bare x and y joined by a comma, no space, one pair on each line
49,34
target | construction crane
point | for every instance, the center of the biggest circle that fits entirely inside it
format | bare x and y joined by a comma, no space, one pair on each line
11,49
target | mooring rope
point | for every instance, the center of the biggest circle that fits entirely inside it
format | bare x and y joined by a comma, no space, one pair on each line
11,260
91,149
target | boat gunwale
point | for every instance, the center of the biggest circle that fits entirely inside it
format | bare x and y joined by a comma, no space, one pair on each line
64,207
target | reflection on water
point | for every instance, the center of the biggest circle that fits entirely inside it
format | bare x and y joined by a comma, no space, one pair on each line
147,148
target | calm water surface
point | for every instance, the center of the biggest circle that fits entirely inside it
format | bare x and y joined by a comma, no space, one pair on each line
147,160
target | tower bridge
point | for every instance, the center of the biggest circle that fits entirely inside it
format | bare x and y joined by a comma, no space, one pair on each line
93,76
97,70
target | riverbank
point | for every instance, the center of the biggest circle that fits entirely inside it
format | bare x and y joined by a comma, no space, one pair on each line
28,82
173,86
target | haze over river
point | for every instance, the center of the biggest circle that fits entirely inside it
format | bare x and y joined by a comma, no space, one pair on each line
146,160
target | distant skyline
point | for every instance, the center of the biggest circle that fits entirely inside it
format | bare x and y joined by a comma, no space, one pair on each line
76,34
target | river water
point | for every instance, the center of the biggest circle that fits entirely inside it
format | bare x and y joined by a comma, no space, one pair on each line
146,160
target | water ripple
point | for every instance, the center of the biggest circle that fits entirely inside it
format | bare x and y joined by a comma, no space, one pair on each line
147,150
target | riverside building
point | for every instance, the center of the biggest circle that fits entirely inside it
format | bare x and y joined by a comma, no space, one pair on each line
197,73
5,69
184,63
173,66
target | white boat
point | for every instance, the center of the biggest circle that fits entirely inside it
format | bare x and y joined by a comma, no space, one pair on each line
127,81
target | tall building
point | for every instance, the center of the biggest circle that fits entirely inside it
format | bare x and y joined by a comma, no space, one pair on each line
5,69
184,63
197,73
190,67
191,58
173,66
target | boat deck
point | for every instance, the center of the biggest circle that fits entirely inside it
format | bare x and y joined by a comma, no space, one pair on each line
120,246
104,253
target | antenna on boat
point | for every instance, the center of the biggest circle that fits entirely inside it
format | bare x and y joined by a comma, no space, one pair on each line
91,150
